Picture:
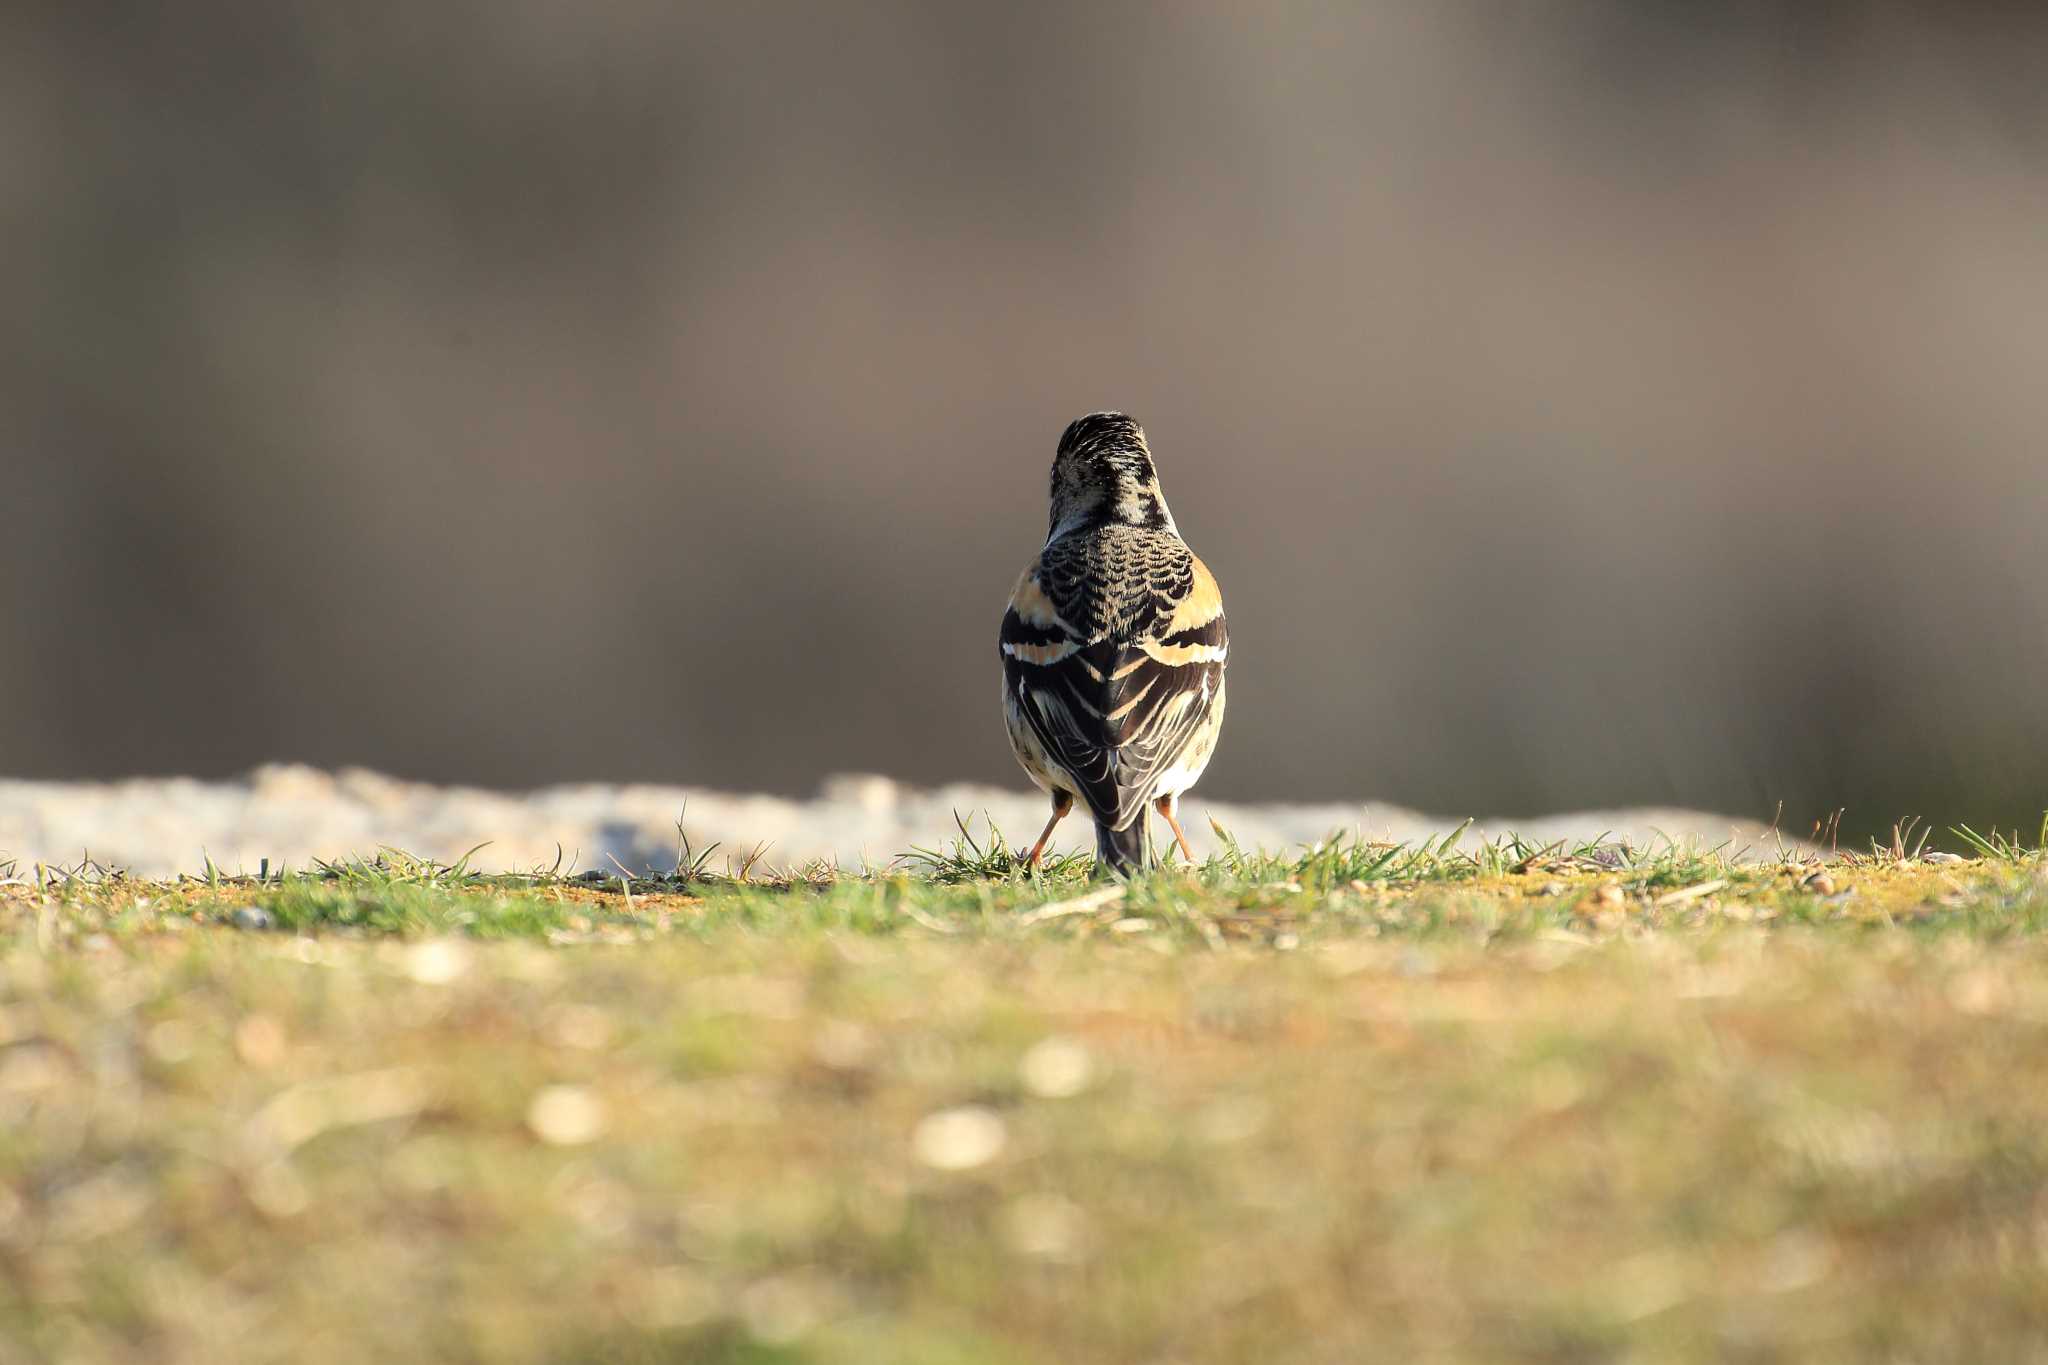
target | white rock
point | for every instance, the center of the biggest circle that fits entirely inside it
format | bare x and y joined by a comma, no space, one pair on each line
566,1116
1056,1068
959,1139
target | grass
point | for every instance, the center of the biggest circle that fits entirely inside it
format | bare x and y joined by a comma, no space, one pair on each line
1446,1101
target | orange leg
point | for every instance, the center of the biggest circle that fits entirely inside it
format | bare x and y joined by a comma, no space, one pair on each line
1062,802
1165,805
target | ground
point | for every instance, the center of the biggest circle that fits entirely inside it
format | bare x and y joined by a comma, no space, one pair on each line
1435,1102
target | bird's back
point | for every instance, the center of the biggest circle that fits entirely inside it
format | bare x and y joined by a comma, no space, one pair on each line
1114,649
1116,582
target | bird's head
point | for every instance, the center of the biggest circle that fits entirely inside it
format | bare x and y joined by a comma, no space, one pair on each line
1103,475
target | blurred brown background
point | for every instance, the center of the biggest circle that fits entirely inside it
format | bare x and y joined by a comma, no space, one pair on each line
1580,403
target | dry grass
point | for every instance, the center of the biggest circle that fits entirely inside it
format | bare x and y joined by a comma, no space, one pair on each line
1261,1113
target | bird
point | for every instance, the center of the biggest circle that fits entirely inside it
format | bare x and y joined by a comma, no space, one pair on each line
1113,649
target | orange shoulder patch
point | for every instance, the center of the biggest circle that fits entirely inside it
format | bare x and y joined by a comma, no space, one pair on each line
1201,606
1031,604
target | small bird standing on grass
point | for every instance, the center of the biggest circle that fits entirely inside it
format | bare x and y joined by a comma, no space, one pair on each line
1113,649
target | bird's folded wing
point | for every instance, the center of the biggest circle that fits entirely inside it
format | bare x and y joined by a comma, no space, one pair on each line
1116,713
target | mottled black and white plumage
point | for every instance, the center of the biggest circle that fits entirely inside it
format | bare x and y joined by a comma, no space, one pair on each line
1113,648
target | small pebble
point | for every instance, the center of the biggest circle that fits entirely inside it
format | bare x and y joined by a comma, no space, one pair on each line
171,1040
1232,1119
844,1045
437,961
1608,896
1940,859
1056,1068
959,1139
1795,1260
1820,884
1045,1227
566,1116
252,917
580,1026
1415,962
781,1310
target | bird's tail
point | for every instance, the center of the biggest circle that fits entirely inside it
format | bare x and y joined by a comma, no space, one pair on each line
1125,851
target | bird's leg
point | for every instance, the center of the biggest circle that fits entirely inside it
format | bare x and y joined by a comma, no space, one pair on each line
1062,802
1165,805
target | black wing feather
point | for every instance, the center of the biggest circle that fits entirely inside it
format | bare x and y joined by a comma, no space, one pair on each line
1115,718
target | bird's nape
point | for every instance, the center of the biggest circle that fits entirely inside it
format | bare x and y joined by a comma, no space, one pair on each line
1102,434
1102,474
